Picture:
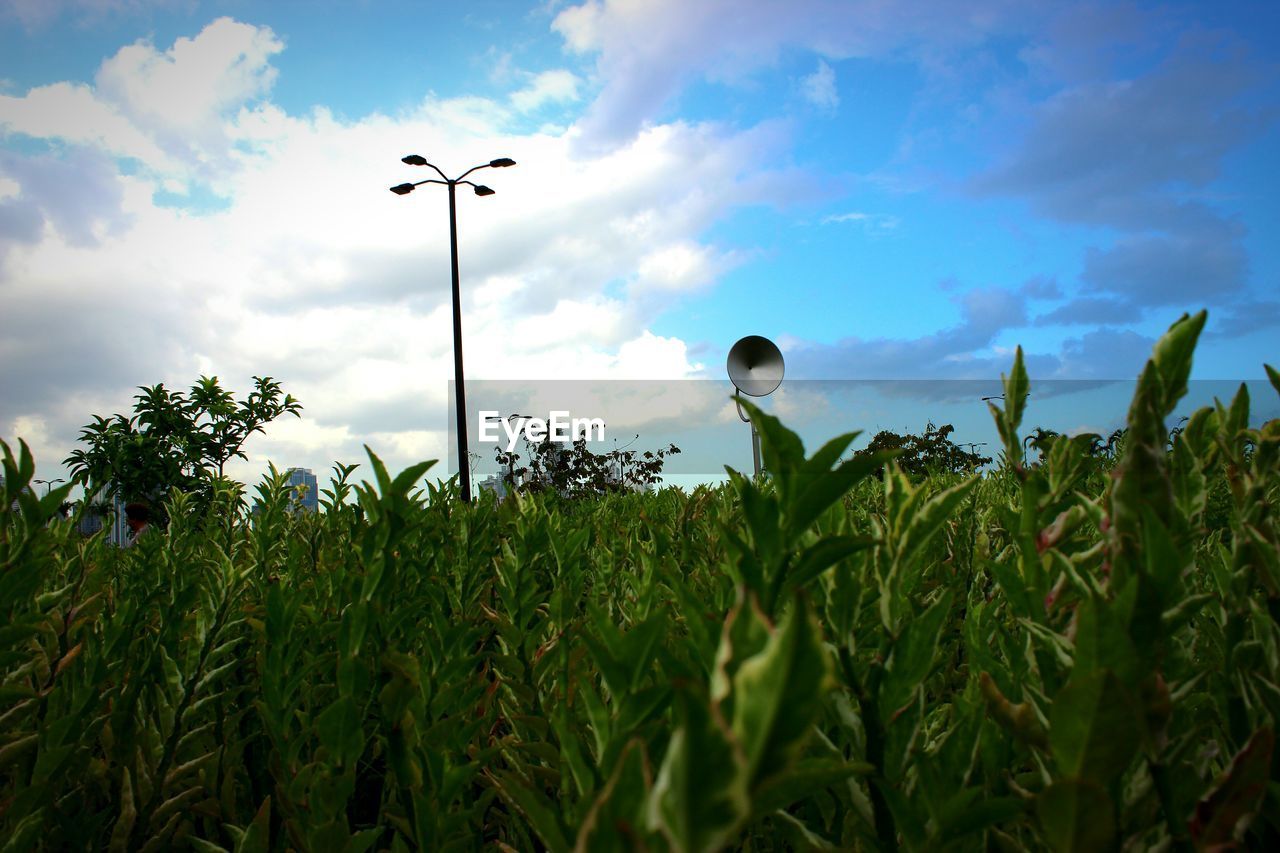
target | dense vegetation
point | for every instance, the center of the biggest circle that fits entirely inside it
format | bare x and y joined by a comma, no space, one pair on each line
173,441
1078,654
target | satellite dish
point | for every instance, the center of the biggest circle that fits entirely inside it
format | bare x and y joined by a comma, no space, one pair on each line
755,366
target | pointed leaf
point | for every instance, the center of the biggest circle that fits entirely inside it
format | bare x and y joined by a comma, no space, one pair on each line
1077,817
777,694
1094,727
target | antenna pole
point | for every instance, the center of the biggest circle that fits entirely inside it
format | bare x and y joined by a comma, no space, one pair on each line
755,450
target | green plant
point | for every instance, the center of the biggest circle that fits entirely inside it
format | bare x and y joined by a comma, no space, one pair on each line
932,452
1038,657
575,471
174,440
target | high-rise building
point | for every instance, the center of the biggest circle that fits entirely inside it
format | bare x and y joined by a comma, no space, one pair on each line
305,488
26,490
495,484
100,512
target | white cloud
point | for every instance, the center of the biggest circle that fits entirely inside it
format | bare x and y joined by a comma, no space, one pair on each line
819,88
869,221
315,274
680,267
168,109
645,51
558,86
73,113
188,86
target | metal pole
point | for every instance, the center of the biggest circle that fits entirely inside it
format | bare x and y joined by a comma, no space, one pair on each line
460,394
755,449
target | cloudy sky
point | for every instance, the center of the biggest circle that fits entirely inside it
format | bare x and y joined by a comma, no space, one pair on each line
890,190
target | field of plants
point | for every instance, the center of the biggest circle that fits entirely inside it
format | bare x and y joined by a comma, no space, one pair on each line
1066,653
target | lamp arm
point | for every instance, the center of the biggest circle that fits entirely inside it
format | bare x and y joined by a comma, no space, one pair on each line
736,394
438,172
468,172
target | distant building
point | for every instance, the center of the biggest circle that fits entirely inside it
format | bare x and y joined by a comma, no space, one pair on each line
494,483
26,490
100,512
305,488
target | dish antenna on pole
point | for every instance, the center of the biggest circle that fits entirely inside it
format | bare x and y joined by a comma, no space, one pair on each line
755,368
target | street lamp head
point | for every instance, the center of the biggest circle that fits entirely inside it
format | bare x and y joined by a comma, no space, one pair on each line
402,189
483,190
502,162
414,160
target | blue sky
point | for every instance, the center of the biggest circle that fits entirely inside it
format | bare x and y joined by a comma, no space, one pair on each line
889,190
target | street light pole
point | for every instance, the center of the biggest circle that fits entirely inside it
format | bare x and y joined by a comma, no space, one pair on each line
617,451
48,484
460,394
459,389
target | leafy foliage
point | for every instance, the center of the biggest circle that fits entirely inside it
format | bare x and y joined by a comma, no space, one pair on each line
575,471
174,440
933,452
1046,657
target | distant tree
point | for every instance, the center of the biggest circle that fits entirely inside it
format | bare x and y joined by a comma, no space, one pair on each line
1041,440
1113,446
174,440
932,452
574,471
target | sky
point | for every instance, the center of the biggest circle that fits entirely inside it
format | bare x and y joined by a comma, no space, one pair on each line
888,190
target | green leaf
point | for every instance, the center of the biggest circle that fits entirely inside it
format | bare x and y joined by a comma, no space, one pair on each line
822,555
746,631
1020,719
128,814
699,799
978,816
798,834
1016,390
340,733
925,523
355,620
1094,727
818,488
621,803
912,657
781,448
1172,356
1235,793
1077,817
257,837
409,477
24,836
1102,640
536,808
803,780
777,693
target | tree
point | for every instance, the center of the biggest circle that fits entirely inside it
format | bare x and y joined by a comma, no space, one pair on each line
924,454
574,471
174,440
